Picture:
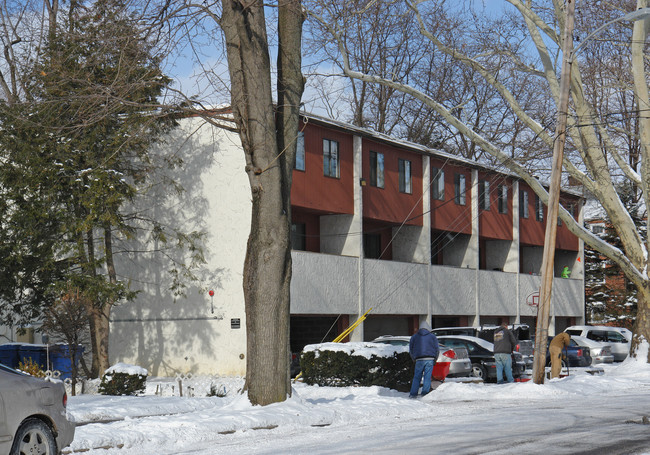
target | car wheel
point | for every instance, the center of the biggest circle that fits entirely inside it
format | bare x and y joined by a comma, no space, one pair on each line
34,436
479,371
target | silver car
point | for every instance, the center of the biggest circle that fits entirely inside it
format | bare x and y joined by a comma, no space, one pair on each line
600,352
461,366
32,415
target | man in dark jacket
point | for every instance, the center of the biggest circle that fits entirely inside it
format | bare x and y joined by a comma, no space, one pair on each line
504,344
423,348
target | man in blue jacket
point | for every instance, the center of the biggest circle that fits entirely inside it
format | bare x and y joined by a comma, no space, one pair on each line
423,348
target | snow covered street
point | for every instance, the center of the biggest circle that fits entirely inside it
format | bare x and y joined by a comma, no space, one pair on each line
577,414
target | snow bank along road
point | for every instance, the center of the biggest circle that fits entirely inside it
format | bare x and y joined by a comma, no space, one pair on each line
579,414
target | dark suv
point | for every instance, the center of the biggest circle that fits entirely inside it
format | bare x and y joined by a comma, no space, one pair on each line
521,332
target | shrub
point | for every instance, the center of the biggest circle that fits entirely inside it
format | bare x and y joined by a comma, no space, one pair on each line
30,367
122,379
342,369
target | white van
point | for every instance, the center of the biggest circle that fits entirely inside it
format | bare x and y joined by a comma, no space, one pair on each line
617,337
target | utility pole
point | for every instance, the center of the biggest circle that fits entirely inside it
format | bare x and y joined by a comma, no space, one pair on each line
548,259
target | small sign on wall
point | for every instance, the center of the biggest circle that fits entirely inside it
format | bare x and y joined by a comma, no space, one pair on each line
235,323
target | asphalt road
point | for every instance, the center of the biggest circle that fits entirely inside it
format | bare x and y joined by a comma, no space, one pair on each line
556,426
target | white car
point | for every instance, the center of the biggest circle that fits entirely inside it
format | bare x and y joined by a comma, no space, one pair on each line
461,366
600,352
33,417
617,337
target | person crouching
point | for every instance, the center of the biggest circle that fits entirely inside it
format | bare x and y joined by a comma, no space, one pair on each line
424,349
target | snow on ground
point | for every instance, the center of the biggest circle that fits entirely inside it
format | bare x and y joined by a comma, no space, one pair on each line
575,413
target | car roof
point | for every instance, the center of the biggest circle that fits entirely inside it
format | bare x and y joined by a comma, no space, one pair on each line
392,337
623,330
480,341
584,341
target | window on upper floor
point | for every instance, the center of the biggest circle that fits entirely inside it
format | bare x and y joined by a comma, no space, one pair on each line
404,167
298,236
598,229
459,189
300,152
438,187
484,195
377,169
539,209
331,167
502,196
523,204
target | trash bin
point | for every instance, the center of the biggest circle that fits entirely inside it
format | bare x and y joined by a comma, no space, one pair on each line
9,354
60,359
441,368
36,352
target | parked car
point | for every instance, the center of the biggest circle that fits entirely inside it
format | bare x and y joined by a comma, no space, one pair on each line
520,331
574,355
32,414
481,354
600,352
461,366
617,337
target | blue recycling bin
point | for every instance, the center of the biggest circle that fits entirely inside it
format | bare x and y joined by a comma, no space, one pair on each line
36,352
60,359
9,354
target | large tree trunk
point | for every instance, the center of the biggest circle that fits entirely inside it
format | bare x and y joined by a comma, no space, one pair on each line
642,323
99,324
269,163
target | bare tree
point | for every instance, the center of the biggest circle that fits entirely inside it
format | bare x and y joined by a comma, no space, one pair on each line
382,38
597,162
269,141
67,321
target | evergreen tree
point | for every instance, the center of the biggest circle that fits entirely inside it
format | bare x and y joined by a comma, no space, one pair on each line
74,158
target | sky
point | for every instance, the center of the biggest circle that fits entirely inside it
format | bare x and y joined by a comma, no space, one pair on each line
600,413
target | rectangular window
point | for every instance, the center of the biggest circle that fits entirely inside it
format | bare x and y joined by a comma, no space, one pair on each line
438,187
484,195
298,236
377,169
503,198
459,189
331,158
539,209
405,176
300,152
523,204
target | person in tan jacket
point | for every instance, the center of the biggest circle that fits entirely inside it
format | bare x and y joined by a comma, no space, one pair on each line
558,343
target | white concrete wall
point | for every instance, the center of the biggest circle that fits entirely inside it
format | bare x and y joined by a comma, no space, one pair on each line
168,334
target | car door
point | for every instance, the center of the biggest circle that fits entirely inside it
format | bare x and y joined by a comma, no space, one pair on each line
620,345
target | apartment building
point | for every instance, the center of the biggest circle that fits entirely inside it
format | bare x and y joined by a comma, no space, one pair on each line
378,223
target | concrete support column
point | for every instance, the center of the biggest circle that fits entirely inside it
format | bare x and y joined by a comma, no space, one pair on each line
357,227
513,260
426,226
473,248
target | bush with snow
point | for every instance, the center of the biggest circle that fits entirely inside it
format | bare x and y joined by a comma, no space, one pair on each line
124,379
360,364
